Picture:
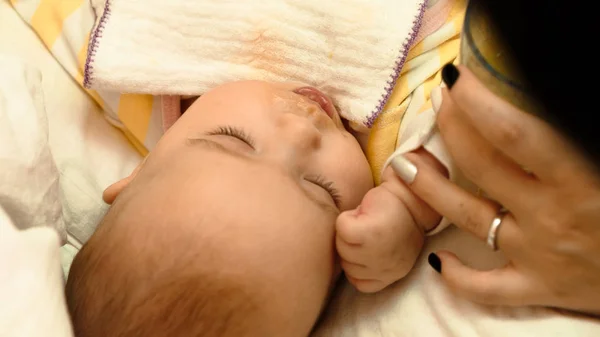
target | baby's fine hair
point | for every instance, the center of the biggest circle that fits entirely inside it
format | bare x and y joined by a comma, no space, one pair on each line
153,286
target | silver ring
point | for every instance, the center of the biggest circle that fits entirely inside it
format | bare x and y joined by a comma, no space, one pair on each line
492,233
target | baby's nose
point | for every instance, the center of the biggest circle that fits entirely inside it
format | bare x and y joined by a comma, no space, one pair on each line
300,132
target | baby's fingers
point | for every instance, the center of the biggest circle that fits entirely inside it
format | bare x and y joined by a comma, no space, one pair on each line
353,262
350,229
366,286
502,286
373,220
354,254
356,270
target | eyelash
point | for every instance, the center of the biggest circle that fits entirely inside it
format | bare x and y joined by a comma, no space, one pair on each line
243,136
233,132
329,187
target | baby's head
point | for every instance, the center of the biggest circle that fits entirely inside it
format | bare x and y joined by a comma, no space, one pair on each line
228,225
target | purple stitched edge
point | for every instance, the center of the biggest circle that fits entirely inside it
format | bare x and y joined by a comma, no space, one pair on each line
399,64
93,46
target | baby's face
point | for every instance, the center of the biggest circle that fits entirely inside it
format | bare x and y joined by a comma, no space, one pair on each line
289,131
258,172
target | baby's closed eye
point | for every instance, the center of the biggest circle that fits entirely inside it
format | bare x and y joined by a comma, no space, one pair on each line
328,186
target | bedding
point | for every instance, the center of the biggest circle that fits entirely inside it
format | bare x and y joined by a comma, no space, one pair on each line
29,176
31,282
89,154
63,27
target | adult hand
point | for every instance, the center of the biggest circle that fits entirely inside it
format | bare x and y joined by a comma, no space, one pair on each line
551,233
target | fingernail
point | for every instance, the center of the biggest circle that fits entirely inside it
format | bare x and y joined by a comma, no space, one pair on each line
435,262
450,75
406,170
436,98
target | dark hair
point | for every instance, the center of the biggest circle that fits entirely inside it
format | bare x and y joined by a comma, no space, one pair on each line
123,286
553,42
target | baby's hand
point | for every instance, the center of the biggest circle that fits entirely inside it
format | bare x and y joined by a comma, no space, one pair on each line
379,241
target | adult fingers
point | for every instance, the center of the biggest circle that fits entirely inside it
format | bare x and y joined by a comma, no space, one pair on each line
502,286
528,140
486,166
462,208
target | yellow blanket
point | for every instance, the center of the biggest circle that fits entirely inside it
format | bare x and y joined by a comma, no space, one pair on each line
420,74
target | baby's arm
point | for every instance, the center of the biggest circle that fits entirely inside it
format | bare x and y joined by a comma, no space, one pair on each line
380,240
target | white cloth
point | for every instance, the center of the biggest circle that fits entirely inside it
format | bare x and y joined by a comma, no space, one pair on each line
352,50
29,178
32,302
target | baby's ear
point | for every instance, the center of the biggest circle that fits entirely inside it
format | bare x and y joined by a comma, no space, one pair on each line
112,192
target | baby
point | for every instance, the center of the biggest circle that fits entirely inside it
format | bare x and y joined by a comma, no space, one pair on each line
227,228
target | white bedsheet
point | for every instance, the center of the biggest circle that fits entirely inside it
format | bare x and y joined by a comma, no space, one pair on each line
31,214
420,305
31,301
90,154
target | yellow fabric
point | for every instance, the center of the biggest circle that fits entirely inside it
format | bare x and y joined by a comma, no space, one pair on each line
48,18
419,75
70,21
137,123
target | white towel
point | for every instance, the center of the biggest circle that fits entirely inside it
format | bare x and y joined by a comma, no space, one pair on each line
353,50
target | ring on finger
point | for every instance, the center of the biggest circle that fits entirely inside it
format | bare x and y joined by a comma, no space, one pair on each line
493,231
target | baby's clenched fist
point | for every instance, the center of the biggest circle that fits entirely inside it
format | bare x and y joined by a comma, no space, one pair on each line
379,241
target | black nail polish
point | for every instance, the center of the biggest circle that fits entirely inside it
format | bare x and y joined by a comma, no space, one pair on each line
450,75
435,262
